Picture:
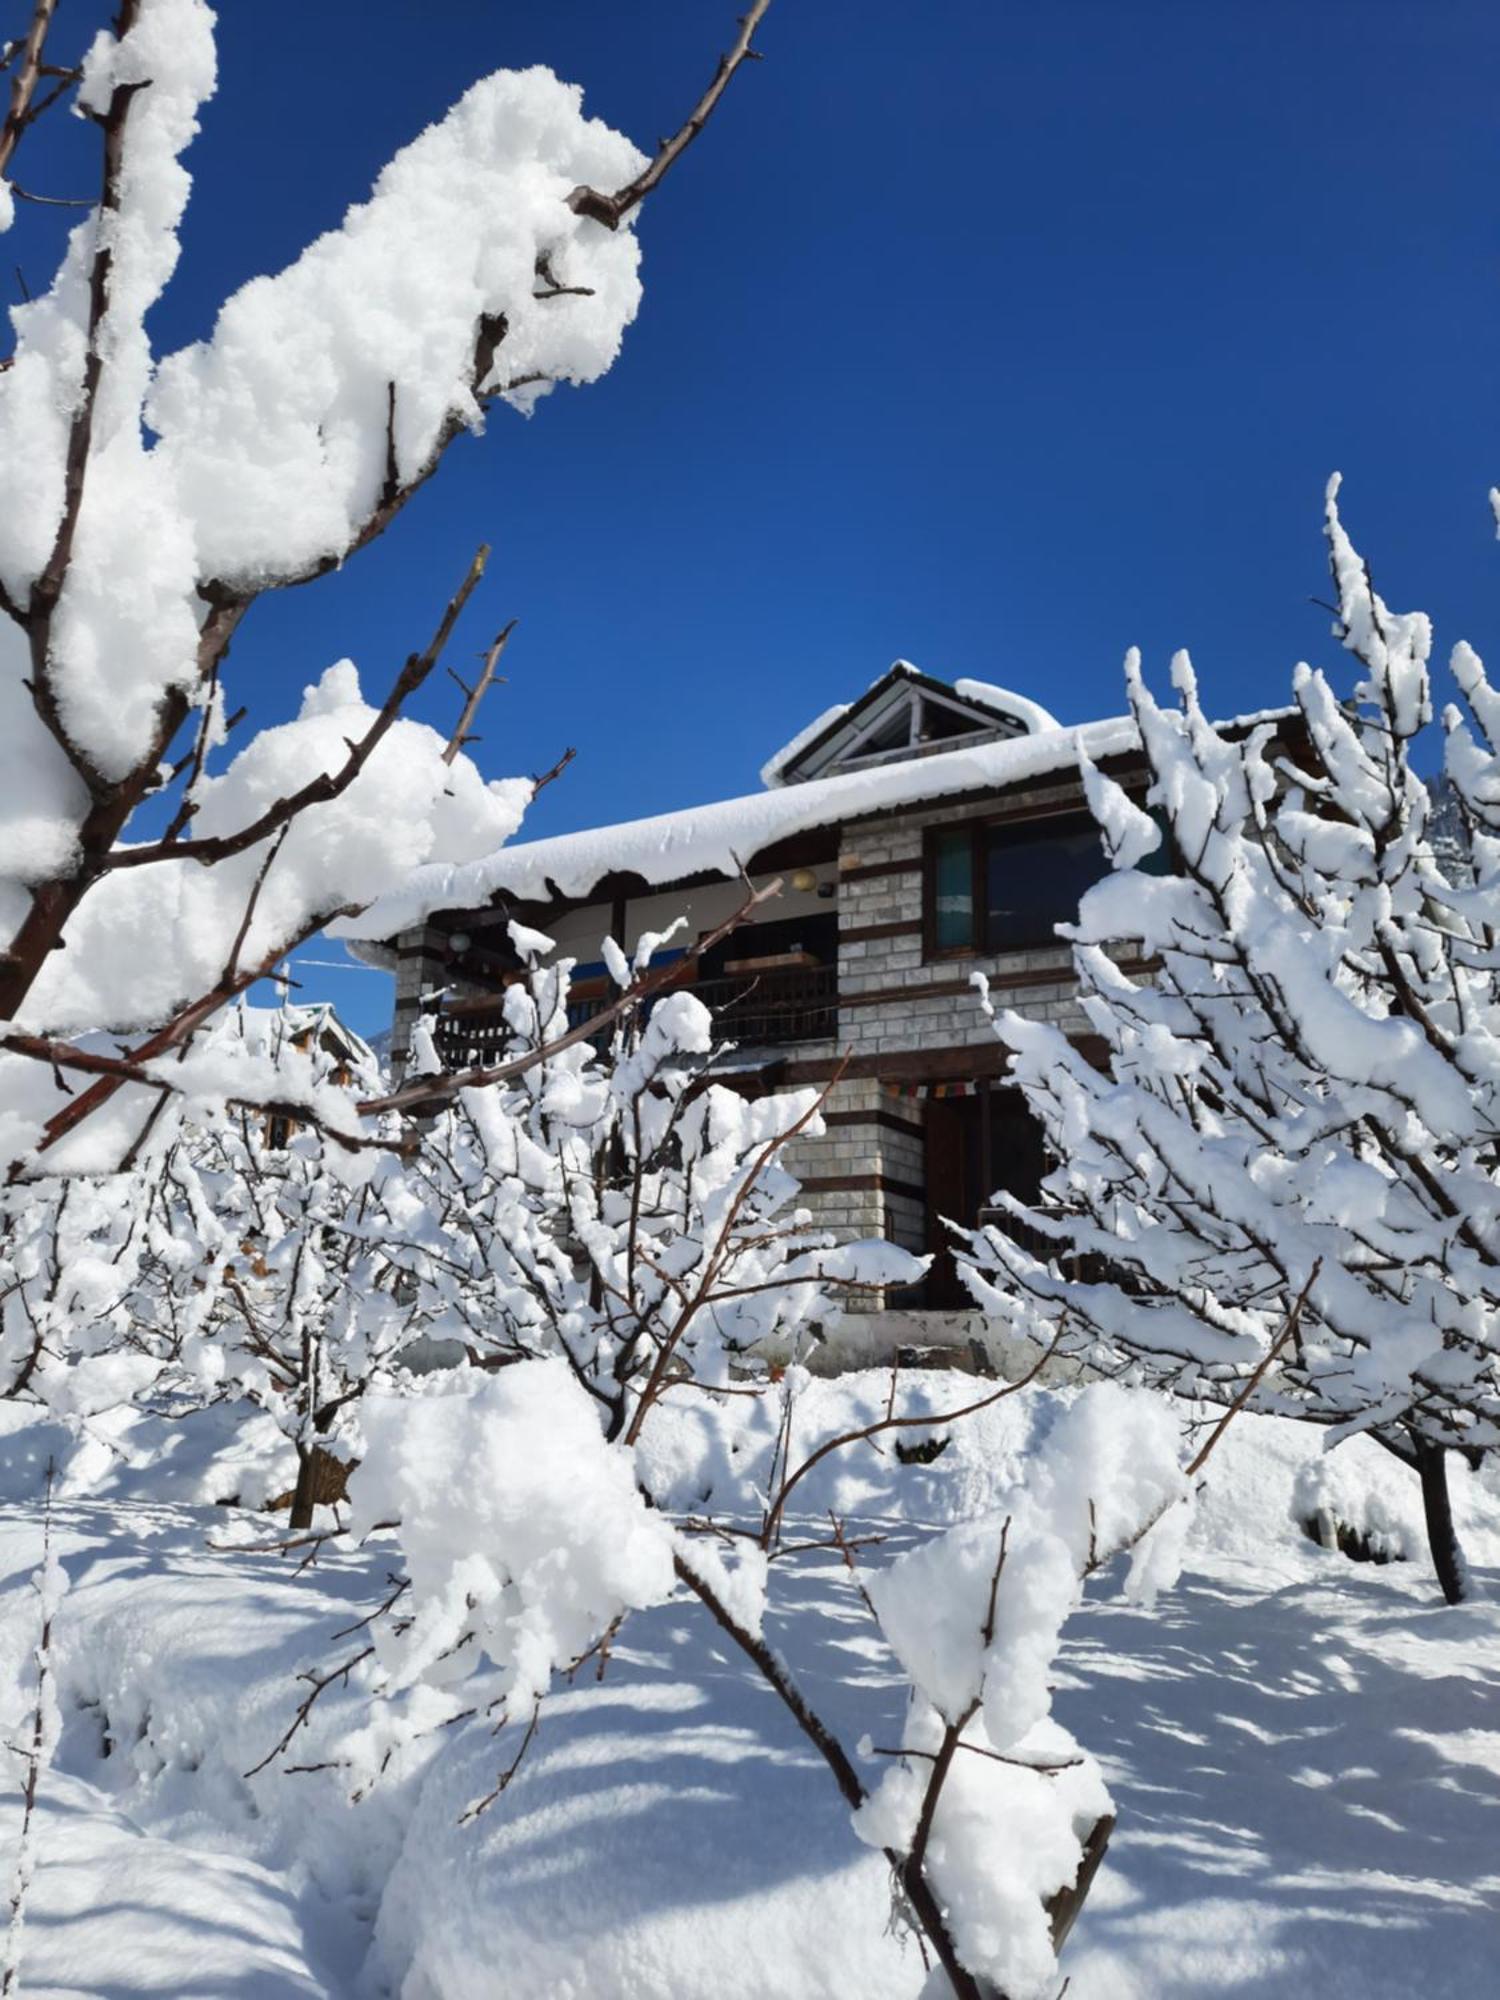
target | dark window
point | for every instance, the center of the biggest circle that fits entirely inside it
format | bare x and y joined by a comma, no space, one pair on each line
1034,876
1007,887
892,734
940,723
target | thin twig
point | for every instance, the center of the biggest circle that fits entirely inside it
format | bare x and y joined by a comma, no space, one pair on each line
475,695
611,209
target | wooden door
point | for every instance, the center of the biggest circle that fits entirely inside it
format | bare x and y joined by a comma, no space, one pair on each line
954,1172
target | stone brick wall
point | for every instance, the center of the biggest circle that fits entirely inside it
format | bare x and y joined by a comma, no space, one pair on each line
418,970
886,1001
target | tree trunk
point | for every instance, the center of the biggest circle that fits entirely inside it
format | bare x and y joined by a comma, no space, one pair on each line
322,1481
1447,1556
302,1492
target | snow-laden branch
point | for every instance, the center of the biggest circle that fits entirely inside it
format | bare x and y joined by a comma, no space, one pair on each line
1283,1187
150,500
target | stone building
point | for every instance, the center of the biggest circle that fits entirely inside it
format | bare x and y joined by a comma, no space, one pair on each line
923,833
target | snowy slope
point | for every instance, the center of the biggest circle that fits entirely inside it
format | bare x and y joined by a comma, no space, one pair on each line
1303,1753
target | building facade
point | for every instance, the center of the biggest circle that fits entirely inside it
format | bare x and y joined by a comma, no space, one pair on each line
924,833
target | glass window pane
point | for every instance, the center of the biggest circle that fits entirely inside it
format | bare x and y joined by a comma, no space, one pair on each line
953,890
1034,878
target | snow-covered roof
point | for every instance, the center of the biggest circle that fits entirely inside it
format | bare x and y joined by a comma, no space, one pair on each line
265,1028
719,839
771,770
1016,707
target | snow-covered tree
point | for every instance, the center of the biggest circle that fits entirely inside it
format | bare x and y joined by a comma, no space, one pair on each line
527,1538
621,1207
74,1253
289,1266
149,500
610,1231
1286,1175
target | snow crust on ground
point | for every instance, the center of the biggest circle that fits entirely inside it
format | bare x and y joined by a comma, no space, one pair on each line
1302,1750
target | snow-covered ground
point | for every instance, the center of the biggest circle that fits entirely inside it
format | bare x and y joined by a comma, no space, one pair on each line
1304,1753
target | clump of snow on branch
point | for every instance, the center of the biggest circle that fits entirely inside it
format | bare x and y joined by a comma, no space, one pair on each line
273,431
406,806
523,1533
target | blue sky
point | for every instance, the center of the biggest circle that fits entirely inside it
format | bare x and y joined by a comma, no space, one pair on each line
997,337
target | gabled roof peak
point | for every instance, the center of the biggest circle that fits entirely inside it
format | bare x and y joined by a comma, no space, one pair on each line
905,713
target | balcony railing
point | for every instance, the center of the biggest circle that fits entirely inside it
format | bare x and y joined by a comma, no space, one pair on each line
754,1009
771,1008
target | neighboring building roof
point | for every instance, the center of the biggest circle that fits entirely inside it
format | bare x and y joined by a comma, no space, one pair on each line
265,1028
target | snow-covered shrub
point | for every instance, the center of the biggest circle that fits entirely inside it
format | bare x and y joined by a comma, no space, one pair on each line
990,1796
620,1207
1287,1170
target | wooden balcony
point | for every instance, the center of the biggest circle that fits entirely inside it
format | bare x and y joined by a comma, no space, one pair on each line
754,1009
770,1008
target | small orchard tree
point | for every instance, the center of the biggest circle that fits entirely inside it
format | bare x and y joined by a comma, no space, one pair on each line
611,1225
624,1209
302,1286
1286,1175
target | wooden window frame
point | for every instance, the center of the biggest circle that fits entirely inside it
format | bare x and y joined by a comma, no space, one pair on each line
932,952
979,829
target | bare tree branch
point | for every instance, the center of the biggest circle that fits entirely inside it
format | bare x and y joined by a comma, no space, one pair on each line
328,785
29,71
473,696
611,209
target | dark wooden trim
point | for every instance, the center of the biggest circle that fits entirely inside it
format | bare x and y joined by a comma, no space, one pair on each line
884,996
897,927
979,1061
860,1184
868,871
1000,982
886,1120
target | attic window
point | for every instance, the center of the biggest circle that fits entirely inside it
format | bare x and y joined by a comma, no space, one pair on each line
893,734
940,722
